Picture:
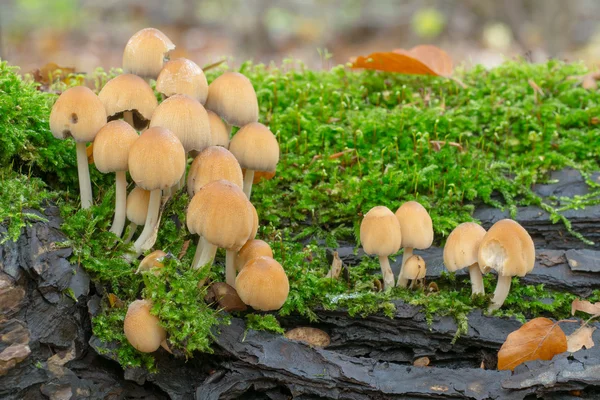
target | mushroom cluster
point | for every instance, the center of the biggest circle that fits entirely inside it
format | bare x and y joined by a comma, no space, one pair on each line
131,131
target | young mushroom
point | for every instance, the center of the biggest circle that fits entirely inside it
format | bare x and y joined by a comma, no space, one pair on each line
219,131
417,232
508,249
182,76
461,251
156,162
142,329
262,284
252,249
415,269
212,164
256,149
130,97
79,114
153,262
145,53
380,234
137,209
232,97
111,154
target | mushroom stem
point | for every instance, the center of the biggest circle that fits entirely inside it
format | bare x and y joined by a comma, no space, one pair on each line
230,268
386,270
248,178
502,289
85,185
128,117
476,279
151,219
132,228
120,203
199,249
208,254
402,281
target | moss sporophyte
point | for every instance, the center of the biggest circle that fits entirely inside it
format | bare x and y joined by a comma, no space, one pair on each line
349,141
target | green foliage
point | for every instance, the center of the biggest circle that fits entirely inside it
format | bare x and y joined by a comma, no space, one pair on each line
264,322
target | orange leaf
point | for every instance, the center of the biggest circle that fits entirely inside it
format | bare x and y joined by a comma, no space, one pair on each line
538,339
89,151
585,306
420,60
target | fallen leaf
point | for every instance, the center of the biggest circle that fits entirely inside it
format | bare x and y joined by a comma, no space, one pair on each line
184,249
213,65
538,339
260,176
51,73
114,301
420,60
336,267
226,297
312,336
581,338
585,306
89,151
421,362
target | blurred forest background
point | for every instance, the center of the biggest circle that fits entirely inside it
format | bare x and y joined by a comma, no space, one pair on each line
88,33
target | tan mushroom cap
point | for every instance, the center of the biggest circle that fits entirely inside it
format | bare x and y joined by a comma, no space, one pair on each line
156,159
255,147
212,164
129,93
262,284
219,132
152,261
183,76
111,146
416,225
507,248
142,329
252,249
462,246
380,232
219,212
232,96
145,53
186,118
137,205
254,221
77,113
415,268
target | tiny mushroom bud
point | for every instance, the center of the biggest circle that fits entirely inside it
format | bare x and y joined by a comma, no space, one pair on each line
111,154
508,249
153,261
183,76
219,131
145,52
262,284
212,164
256,149
380,234
79,113
137,209
232,97
130,97
252,249
415,269
461,251
417,232
142,329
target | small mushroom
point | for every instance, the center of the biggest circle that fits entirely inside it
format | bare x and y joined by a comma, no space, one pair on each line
137,209
219,131
145,53
415,269
226,297
380,234
252,249
142,329
152,262
508,249
232,97
262,284
461,251
212,164
417,232
182,76
78,113
256,149
111,154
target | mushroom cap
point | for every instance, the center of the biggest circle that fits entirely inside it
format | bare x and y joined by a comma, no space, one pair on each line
111,146
416,225
183,76
232,96
254,221
219,211
129,93
462,246
262,284
219,131
213,163
142,329
380,232
77,113
145,52
137,205
507,248
156,159
414,268
153,260
252,249
186,118
255,147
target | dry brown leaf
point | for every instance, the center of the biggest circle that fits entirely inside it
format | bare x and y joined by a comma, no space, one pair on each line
421,362
51,73
585,306
538,339
312,336
260,176
581,338
336,266
114,301
420,60
213,65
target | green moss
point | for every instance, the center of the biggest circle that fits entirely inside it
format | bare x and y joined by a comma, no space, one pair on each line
264,322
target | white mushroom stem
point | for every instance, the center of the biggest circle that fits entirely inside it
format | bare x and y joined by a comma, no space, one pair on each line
248,179
230,268
209,251
402,281
386,270
85,185
476,279
128,117
199,249
502,289
131,231
151,219
120,204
